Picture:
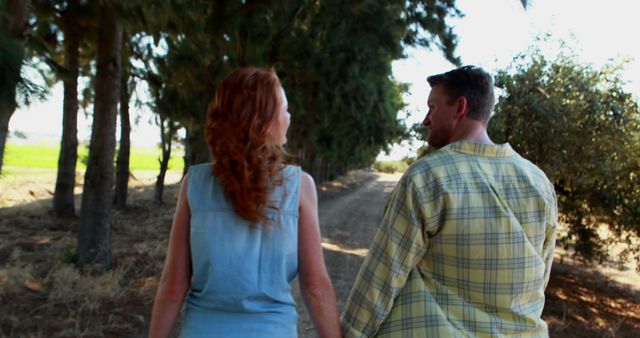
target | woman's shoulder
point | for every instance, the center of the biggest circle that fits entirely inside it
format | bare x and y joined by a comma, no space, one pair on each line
292,168
200,167
292,174
307,185
199,172
297,171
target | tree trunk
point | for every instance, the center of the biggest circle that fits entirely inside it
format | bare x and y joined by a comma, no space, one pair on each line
197,150
185,157
122,163
5,115
166,137
63,197
94,236
16,26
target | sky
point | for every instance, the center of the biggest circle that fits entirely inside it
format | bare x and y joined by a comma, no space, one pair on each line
490,34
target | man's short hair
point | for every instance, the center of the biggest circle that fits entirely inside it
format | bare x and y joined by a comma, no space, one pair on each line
474,84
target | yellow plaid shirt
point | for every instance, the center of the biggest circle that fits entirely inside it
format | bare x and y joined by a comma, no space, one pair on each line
464,250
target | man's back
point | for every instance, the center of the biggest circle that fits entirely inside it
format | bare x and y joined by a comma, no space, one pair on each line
478,260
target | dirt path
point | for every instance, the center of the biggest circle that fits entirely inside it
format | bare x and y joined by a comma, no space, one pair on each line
348,223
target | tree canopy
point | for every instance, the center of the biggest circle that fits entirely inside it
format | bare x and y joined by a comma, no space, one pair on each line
583,129
334,58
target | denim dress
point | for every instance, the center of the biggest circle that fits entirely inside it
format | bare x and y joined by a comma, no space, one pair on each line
241,283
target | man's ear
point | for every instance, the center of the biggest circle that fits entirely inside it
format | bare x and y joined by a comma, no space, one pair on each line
462,107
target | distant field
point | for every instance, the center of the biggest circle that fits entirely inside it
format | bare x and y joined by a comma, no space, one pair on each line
390,167
45,156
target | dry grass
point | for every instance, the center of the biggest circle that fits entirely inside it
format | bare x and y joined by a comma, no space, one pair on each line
48,297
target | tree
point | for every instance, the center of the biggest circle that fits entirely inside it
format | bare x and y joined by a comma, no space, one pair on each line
59,41
69,17
164,105
167,132
583,129
124,148
344,101
14,30
142,21
94,236
63,198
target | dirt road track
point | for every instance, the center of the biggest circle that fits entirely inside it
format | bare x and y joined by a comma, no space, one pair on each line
348,223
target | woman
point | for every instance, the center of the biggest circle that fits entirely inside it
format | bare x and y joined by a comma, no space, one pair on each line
244,226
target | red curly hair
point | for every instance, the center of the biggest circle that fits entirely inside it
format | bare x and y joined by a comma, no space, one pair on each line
245,105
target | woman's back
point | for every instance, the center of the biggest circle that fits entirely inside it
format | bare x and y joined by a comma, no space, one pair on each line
242,275
236,279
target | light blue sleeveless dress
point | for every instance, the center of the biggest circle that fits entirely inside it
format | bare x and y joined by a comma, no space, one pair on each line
241,284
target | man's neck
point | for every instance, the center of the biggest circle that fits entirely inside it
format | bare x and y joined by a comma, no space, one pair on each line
471,130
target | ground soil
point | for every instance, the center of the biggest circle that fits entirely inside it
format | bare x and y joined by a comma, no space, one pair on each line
41,295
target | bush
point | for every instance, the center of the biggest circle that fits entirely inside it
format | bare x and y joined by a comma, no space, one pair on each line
390,167
583,130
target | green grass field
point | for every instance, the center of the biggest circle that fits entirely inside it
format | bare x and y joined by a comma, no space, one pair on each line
45,156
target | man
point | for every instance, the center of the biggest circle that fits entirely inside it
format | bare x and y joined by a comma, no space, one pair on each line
467,239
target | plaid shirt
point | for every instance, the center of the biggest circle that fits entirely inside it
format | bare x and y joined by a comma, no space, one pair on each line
464,250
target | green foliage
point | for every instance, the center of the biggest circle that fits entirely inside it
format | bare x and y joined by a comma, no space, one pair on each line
351,114
334,58
10,63
16,85
580,126
390,167
69,255
425,150
336,66
409,160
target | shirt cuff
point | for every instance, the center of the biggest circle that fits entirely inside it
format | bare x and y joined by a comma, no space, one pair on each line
350,332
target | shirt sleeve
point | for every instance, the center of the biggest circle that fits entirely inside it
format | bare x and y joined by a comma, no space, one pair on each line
397,248
551,233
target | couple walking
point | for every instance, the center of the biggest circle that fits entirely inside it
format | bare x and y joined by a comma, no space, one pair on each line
464,248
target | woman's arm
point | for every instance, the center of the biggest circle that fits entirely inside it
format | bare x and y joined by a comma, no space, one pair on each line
315,285
176,275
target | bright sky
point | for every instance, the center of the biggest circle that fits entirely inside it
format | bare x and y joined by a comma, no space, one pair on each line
492,32
490,35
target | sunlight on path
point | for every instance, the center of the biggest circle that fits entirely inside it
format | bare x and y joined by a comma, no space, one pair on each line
326,244
628,276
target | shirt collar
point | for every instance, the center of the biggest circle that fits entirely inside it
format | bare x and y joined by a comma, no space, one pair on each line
480,149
